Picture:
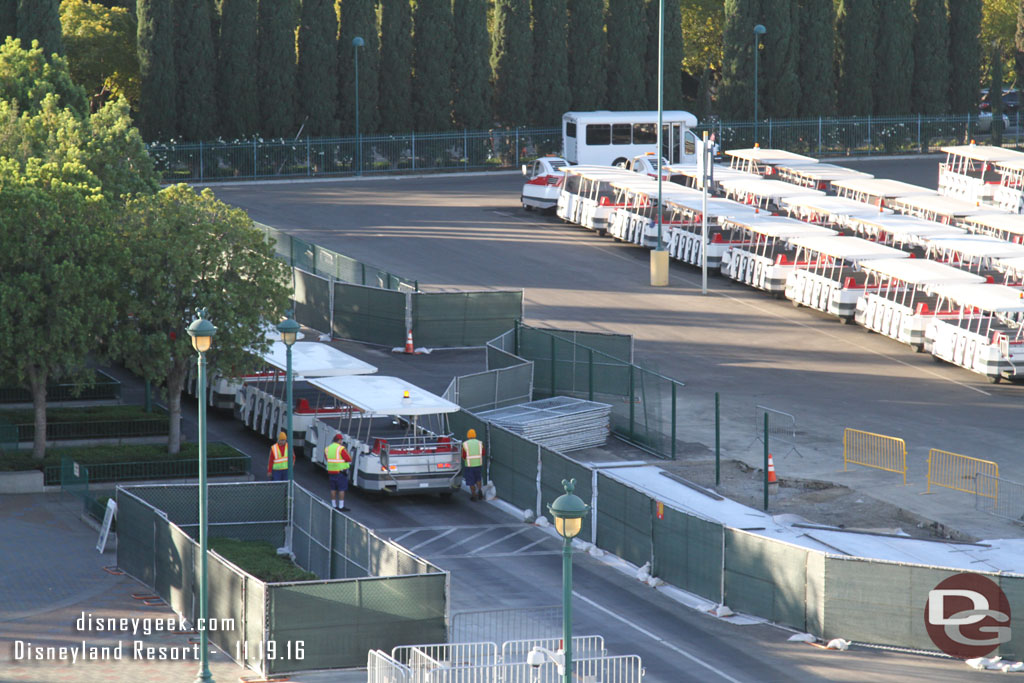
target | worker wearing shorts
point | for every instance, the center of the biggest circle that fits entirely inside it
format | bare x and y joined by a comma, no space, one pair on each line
473,461
338,461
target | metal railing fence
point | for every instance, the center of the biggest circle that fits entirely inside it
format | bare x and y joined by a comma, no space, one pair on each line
149,469
959,472
500,625
105,388
879,451
1000,497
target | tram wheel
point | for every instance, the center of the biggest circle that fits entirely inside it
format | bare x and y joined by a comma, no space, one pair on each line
845,321
996,379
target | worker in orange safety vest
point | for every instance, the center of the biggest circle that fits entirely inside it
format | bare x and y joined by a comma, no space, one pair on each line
277,465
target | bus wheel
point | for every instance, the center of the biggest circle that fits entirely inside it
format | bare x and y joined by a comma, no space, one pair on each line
996,379
621,161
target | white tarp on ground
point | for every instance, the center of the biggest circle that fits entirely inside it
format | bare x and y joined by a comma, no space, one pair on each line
1005,555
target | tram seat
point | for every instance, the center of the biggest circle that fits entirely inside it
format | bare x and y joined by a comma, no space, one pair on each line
851,283
989,280
781,260
922,308
303,406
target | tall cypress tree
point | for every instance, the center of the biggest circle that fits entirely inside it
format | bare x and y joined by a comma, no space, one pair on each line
856,27
735,91
931,58
359,18
964,55
471,86
703,109
550,85
276,67
673,94
894,50
781,93
817,51
317,104
432,65
159,85
511,61
627,32
1018,47
237,100
587,55
40,20
8,19
395,87
196,70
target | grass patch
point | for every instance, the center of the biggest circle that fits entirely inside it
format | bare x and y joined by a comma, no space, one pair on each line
260,559
16,461
84,414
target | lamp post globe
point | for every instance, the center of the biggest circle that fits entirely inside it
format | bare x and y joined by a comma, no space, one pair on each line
568,510
289,330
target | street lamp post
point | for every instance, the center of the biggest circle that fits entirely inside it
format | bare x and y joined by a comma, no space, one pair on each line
568,511
289,330
202,330
357,43
659,257
759,30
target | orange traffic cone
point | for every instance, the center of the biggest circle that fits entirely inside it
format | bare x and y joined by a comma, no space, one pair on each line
409,348
772,479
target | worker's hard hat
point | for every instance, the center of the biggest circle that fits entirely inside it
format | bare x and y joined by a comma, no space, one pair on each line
282,437
471,434
337,437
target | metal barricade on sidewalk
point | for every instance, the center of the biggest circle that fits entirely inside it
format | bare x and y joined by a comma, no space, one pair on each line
450,654
382,668
1000,497
500,625
582,647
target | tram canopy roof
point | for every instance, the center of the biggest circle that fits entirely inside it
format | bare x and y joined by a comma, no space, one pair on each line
920,271
315,359
821,172
907,226
721,208
771,189
1010,222
851,249
976,246
943,205
996,298
383,395
833,206
778,226
880,187
767,155
986,153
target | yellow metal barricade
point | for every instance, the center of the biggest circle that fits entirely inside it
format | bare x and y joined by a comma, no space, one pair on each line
875,450
960,473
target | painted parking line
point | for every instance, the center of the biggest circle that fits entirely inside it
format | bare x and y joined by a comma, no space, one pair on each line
503,538
433,538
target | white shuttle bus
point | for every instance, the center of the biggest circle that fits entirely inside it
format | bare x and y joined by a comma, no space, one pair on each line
985,333
900,302
610,138
759,253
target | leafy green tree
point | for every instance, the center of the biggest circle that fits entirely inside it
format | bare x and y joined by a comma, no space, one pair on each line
395,86
318,68
735,91
116,153
237,100
964,55
100,46
59,277
673,92
702,24
627,34
359,18
779,61
158,92
587,55
40,20
27,77
432,66
894,53
856,28
817,50
471,80
930,90
190,251
8,18
276,68
997,102
511,59
550,84
197,71
1018,45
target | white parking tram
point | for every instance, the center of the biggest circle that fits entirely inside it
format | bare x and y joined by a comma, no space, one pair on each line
1008,227
260,401
827,275
765,194
759,253
635,214
762,161
985,336
968,173
1009,194
900,302
586,198
908,233
816,176
397,434
938,208
828,211
877,191
693,176
686,231
979,254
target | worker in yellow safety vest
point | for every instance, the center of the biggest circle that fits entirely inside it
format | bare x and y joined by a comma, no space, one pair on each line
472,461
277,465
338,461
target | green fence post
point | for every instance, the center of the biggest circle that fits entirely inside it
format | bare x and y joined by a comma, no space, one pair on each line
362,269
718,444
515,335
766,461
632,403
673,421
200,160
590,374
552,365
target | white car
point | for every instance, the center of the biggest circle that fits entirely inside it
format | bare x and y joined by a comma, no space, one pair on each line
544,178
985,122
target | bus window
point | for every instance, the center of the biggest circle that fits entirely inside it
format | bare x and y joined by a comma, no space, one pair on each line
689,143
599,134
622,134
645,134
570,129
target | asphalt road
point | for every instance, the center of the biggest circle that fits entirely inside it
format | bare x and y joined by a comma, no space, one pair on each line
469,232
